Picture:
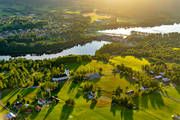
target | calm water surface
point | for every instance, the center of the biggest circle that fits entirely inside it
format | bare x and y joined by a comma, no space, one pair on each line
87,49
157,29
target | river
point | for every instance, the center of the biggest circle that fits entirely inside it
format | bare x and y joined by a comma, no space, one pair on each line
92,47
156,29
87,49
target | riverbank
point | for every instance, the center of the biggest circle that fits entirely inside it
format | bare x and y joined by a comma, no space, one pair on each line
85,49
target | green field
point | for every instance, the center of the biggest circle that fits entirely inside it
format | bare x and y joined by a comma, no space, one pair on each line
151,107
130,61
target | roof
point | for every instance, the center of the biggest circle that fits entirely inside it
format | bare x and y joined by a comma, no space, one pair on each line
29,110
166,79
130,92
42,100
144,88
158,77
38,107
94,76
48,90
161,73
11,115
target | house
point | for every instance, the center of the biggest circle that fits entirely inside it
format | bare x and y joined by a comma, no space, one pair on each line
91,95
61,77
161,73
28,111
175,117
18,105
11,116
26,105
130,92
38,108
41,101
165,79
144,89
94,76
152,72
97,20
48,90
157,77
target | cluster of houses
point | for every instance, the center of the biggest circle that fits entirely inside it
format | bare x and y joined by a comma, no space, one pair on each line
46,31
40,103
160,77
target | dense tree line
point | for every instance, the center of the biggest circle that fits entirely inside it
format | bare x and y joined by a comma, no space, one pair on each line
21,72
154,47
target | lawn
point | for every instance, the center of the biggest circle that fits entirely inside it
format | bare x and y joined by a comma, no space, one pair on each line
173,92
152,107
90,66
176,49
3,113
130,61
72,12
158,106
94,16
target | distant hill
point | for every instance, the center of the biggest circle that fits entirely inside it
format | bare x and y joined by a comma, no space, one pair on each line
146,10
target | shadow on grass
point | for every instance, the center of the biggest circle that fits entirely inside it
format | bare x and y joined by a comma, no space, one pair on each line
78,94
125,113
144,100
27,91
34,115
56,91
155,99
12,94
177,87
75,66
73,86
93,104
66,111
49,111
129,79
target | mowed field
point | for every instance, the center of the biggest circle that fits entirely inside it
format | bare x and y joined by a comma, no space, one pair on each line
130,61
3,113
151,107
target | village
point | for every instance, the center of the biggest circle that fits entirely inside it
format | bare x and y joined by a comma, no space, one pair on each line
87,90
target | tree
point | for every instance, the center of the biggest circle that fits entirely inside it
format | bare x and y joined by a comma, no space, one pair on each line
100,71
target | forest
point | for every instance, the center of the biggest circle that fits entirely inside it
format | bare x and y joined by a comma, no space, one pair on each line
155,47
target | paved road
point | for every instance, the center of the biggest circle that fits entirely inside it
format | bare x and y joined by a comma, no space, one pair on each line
177,100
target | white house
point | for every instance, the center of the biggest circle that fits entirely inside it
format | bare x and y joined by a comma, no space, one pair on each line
11,116
144,89
176,117
165,79
161,73
158,77
152,72
42,102
62,77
